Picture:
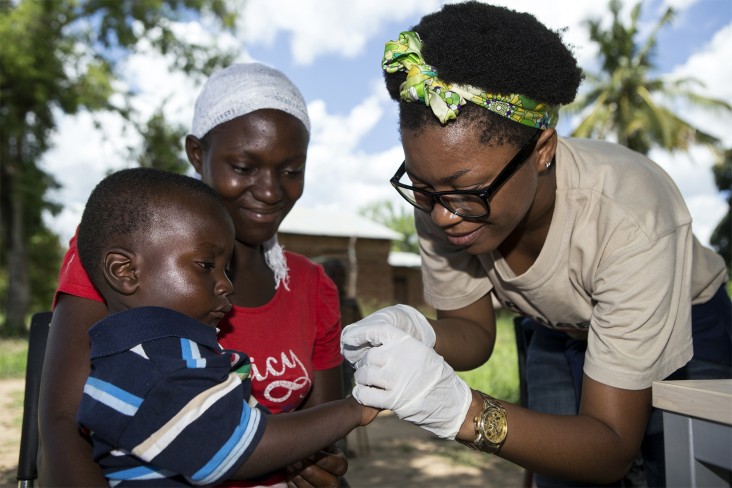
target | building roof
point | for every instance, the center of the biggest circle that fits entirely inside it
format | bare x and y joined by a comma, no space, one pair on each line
405,259
308,221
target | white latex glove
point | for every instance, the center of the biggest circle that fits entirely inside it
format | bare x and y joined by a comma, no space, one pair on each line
412,380
357,338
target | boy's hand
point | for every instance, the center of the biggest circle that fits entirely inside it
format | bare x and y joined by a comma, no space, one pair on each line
369,414
321,470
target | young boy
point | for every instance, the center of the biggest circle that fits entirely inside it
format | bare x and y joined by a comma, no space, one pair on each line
164,404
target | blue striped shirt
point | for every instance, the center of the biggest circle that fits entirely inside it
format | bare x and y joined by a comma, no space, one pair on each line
164,404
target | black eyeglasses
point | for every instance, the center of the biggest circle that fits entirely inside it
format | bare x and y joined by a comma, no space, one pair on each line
465,203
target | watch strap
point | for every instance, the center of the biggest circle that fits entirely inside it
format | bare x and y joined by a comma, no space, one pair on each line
491,427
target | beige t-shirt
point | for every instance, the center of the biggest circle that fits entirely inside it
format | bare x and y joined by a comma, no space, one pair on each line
619,262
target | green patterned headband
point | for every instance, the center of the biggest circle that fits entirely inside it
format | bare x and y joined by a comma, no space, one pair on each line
445,99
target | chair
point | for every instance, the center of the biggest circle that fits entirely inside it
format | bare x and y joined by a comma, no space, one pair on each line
27,469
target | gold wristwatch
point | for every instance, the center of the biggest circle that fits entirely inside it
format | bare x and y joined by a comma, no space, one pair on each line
491,427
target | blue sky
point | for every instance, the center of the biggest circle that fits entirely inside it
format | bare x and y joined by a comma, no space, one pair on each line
332,49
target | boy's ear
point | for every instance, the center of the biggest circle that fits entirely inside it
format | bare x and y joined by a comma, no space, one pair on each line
120,270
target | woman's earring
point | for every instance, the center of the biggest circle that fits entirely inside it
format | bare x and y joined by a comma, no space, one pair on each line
547,164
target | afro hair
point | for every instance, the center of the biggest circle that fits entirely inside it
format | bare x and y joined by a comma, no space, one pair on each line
498,50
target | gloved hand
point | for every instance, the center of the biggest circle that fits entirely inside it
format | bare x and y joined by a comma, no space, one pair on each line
412,380
357,337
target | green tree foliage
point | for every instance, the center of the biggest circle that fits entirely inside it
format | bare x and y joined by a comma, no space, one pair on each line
60,57
624,98
161,147
721,239
398,219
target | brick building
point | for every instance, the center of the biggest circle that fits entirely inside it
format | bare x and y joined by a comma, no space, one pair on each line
376,276
406,268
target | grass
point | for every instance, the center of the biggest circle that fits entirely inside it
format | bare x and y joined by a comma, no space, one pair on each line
15,406
13,354
499,376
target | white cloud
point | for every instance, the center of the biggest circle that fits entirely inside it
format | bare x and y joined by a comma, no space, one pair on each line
324,27
81,156
693,175
155,82
710,66
339,174
318,28
692,172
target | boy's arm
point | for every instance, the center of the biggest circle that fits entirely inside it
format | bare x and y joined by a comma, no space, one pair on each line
323,468
294,436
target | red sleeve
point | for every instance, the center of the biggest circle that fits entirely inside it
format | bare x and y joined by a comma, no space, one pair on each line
72,278
327,351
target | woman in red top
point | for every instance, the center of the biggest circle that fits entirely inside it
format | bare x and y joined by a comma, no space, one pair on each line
248,142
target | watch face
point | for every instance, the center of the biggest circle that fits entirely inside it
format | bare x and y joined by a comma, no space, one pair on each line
495,426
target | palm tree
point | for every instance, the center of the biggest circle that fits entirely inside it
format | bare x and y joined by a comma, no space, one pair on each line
721,239
624,98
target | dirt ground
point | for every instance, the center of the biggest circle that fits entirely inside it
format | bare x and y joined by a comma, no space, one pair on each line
11,416
389,453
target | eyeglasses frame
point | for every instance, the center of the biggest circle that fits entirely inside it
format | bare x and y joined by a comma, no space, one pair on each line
485,194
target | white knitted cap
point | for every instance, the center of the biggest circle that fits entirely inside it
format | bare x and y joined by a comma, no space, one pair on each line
243,88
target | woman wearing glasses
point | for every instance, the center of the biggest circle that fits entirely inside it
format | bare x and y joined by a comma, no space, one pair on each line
589,241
